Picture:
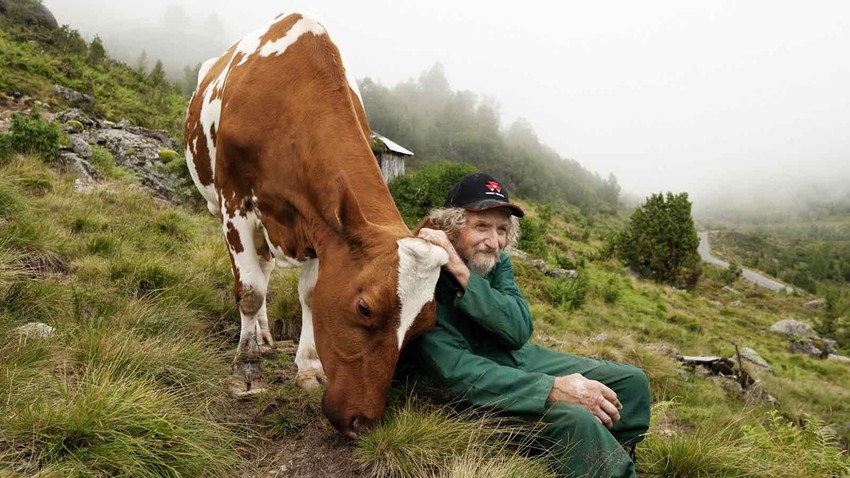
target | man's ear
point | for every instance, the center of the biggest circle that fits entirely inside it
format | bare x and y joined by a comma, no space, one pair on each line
427,222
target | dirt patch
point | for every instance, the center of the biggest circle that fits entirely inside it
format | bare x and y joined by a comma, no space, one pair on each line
287,435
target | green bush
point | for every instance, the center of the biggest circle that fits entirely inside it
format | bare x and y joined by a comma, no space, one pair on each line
34,135
567,294
661,242
531,235
731,273
611,291
167,155
417,193
6,149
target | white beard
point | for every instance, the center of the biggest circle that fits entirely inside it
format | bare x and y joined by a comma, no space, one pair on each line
482,263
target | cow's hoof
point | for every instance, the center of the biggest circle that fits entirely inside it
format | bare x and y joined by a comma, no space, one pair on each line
241,389
310,380
267,351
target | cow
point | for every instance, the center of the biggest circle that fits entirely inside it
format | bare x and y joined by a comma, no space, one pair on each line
277,144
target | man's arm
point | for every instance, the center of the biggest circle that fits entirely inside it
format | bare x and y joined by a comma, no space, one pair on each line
498,306
444,356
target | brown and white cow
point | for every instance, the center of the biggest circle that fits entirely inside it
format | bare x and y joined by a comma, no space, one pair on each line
277,143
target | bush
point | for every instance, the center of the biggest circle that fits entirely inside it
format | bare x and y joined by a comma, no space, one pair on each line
34,135
731,273
416,194
611,291
6,149
661,242
567,294
531,235
167,155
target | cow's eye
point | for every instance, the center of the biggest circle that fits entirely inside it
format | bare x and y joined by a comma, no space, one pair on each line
363,308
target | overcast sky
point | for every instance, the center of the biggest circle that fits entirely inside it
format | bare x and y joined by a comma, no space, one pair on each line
715,96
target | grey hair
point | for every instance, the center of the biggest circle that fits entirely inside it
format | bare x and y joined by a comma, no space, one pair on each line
451,219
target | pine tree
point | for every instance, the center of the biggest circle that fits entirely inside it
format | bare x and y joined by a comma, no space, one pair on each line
97,53
661,241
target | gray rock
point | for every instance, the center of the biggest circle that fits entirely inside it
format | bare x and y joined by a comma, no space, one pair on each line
539,264
72,163
78,116
753,357
716,303
28,13
806,347
81,147
35,330
815,304
597,339
736,303
729,290
838,358
562,273
72,96
829,346
793,328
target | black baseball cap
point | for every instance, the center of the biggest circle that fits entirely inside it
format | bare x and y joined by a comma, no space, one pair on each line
481,192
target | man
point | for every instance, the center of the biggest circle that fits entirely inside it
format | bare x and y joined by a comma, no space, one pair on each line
593,410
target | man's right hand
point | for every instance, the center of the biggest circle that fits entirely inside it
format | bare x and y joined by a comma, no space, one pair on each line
600,400
456,266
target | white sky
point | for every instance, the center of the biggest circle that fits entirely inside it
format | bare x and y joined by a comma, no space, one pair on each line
709,97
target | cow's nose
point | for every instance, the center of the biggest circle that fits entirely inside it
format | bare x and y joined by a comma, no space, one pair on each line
361,425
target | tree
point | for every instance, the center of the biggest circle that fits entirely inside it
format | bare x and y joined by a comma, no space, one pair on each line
97,53
661,241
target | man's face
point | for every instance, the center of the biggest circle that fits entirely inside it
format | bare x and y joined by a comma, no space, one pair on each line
482,238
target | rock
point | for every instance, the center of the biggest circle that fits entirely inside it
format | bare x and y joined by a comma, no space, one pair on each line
631,272
71,162
73,114
83,186
829,346
806,347
35,330
815,304
28,13
562,273
753,357
81,147
838,358
538,264
597,339
736,303
72,96
729,290
716,303
755,394
793,328
514,252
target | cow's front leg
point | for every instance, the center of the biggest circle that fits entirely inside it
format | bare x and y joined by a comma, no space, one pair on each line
310,373
252,266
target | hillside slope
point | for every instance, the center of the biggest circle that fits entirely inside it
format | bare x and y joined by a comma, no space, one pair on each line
132,379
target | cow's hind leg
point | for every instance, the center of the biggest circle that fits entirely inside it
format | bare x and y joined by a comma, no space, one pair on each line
310,372
252,266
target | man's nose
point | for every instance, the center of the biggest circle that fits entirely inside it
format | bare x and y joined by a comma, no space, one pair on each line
492,239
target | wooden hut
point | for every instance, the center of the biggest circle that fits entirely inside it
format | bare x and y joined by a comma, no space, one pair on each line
390,156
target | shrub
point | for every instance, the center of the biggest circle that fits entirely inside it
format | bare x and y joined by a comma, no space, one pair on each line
416,194
611,291
6,149
661,242
34,135
731,273
568,294
531,235
167,155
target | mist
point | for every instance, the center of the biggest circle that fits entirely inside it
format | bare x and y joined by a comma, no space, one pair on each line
740,104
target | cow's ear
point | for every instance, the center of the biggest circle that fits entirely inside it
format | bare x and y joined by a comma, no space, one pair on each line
350,218
427,222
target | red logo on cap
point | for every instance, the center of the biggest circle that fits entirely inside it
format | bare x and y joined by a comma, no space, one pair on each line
493,186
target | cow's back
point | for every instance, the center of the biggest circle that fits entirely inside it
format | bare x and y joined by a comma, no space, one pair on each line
266,91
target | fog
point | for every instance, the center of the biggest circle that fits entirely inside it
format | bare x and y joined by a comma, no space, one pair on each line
724,100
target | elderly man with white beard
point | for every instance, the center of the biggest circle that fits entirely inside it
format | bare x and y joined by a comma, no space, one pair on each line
594,412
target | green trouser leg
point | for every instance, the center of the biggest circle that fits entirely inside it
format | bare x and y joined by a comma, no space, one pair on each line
581,444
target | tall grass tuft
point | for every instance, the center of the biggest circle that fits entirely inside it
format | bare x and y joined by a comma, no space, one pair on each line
105,424
418,440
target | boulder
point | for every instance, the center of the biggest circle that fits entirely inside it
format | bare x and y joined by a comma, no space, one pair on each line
815,304
28,12
81,147
35,330
729,290
753,357
806,347
72,96
562,273
73,163
838,358
793,328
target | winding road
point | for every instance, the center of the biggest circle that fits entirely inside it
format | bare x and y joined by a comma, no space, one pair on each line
705,254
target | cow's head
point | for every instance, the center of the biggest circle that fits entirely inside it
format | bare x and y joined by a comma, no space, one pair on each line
374,291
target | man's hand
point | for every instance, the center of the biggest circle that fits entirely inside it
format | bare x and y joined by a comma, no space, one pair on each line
456,265
600,400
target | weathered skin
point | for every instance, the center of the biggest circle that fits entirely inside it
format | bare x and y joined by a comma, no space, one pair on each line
278,144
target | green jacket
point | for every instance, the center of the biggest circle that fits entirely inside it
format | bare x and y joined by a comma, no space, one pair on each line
480,341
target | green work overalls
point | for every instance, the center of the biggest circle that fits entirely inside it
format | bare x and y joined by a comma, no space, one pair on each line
479,349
